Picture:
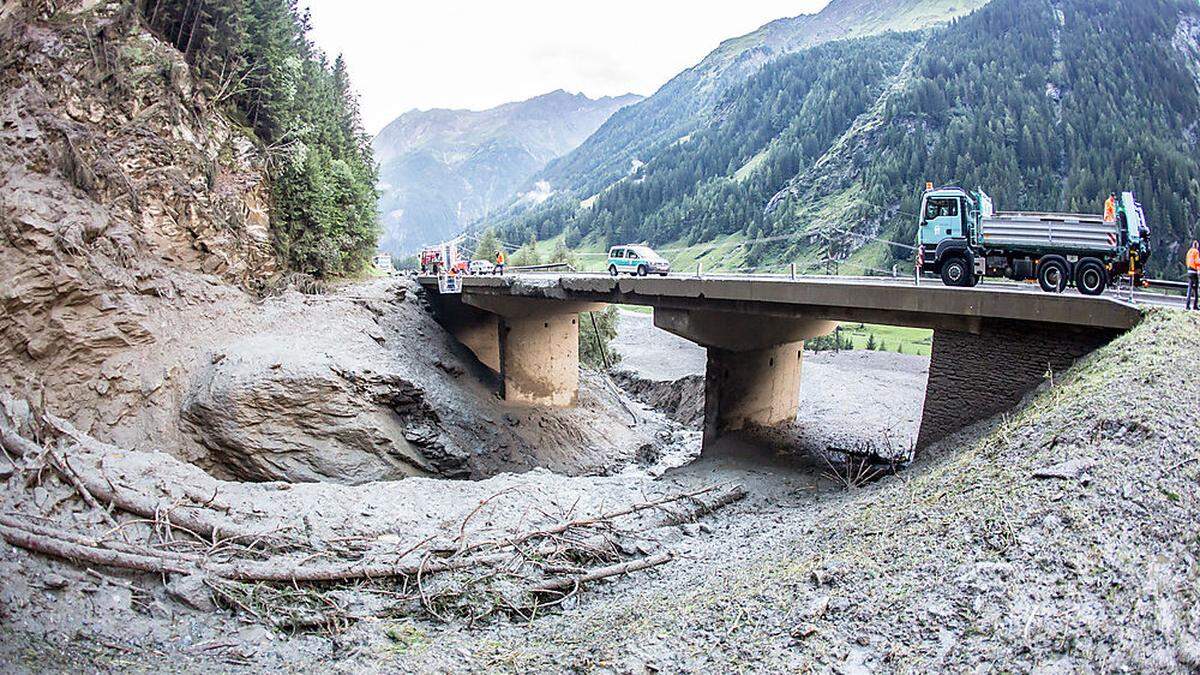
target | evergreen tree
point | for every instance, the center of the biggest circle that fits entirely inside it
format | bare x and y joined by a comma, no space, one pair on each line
254,58
487,246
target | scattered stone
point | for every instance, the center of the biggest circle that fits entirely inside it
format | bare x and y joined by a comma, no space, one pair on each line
1072,469
690,529
191,590
804,631
818,607
54,581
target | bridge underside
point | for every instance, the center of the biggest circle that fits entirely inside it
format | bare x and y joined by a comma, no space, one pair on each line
979,366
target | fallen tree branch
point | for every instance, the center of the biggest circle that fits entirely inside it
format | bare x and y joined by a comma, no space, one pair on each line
595,520
194,518
704,508
79,553
63,467
14,442
566,583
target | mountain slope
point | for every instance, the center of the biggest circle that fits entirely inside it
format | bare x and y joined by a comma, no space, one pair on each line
1047,105
441,169
681,105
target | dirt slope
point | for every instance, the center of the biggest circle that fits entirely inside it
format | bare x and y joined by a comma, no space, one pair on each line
123,195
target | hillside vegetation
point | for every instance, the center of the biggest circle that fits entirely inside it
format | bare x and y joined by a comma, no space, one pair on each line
256,63
687,102
1046,105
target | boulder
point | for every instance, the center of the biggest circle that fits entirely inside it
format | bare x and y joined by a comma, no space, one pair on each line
268,411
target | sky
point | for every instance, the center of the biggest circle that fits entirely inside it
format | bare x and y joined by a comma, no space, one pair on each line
475,54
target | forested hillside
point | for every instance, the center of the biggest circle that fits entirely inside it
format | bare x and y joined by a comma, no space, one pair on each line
1046,105
255,60
683,104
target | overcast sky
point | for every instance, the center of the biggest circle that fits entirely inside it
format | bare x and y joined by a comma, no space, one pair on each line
476,54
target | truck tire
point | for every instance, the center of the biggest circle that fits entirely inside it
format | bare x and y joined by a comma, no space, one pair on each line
956,272
642,271
1052,274
612,269
1090,277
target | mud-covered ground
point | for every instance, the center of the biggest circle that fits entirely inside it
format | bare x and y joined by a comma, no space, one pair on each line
1061,538
66,615
845,397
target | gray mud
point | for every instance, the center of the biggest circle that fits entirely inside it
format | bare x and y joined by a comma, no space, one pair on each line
847,399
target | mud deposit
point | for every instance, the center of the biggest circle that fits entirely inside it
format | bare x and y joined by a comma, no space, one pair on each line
846,399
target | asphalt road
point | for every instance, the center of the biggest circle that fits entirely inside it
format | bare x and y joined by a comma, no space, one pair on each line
1140,297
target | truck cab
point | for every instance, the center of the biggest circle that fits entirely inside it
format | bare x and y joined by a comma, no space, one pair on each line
944,215
962,238
945,232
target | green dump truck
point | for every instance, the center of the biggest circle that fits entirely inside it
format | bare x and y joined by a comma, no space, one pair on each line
962,239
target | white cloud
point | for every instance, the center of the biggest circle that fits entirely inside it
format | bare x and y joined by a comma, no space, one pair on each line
478,53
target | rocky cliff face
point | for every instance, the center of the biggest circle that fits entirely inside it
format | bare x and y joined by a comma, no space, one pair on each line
140,296
121,190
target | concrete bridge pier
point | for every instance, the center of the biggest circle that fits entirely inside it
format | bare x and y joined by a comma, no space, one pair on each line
533,344
754,362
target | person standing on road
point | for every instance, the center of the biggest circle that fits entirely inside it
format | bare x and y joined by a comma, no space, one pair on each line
1110,208
1193,265
500,263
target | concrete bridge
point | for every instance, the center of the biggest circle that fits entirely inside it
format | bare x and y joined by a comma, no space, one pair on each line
991,344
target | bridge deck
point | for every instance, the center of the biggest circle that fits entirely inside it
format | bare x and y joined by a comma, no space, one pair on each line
868,299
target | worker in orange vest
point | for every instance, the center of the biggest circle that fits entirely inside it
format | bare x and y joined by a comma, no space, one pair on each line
1110,208
1193,272
500,263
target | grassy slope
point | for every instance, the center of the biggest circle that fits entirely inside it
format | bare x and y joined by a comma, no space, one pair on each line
964,560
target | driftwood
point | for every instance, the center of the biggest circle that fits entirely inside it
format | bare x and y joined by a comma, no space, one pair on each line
67,550
538,564
568,583
197,520
595,520
77,548
703,508
14,442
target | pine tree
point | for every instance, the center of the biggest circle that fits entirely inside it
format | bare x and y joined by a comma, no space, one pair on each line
487,246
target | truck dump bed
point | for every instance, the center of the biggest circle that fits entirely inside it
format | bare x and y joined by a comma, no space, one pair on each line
1026,229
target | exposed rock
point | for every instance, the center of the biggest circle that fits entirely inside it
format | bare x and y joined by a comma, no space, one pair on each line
272,412
681,400
191,590
1072,469
110,206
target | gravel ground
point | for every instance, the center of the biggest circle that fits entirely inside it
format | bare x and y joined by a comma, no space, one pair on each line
1062,538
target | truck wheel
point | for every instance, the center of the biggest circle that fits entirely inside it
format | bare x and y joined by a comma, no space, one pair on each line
612,269
956,272
642,271
1090,277
1052,275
